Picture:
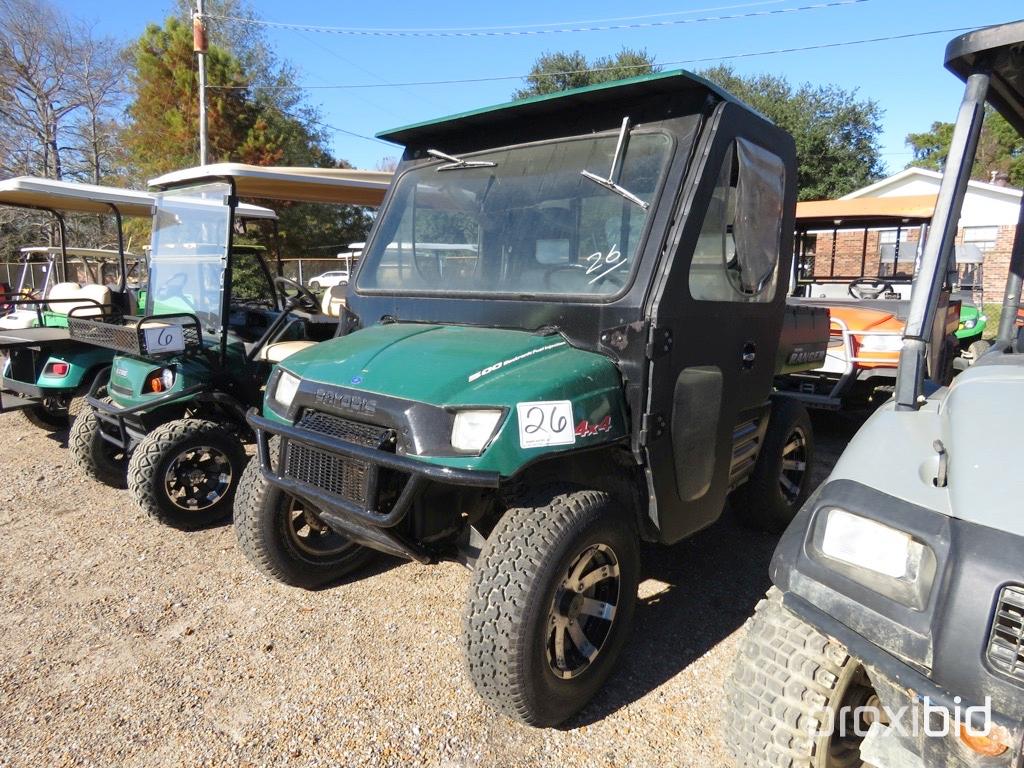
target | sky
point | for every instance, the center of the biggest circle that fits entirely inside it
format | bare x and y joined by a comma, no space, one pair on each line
904,76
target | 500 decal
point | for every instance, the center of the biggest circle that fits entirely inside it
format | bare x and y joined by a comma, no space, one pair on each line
516,359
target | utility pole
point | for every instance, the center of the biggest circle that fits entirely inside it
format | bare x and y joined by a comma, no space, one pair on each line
199,46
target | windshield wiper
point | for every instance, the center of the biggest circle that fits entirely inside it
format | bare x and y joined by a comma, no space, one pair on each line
457,163
609,183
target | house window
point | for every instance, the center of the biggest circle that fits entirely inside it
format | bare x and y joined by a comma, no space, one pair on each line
982,238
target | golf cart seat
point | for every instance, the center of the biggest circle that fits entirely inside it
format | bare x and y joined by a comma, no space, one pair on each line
80,297
331,305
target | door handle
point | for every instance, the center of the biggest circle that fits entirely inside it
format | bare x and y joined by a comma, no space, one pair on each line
749,356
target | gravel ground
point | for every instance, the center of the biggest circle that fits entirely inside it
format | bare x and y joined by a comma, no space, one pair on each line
125,643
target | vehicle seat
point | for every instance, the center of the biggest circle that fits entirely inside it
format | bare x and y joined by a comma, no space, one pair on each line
334,300
332,305
87,294
277,351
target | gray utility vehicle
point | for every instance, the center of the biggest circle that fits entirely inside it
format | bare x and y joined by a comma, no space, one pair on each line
894,636
520,387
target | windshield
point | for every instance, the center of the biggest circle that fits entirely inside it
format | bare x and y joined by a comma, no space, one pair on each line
530,224
189,253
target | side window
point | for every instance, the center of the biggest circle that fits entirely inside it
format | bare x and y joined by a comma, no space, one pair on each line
736,257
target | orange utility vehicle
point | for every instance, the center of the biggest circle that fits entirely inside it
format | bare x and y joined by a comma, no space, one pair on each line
857,258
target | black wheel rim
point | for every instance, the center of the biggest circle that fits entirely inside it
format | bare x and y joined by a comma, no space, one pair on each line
198,478
583,611
794,465
309,534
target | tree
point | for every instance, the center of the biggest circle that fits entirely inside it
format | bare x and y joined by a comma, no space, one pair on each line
836,133
37,60
1000,149
100,82
245,123
559,71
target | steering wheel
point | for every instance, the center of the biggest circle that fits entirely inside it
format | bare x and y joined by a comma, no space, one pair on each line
296,295
550,273
869,287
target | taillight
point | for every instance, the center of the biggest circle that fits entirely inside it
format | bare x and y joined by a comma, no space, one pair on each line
60,370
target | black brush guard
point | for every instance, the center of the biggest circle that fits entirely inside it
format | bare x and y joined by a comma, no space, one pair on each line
126,423
363,522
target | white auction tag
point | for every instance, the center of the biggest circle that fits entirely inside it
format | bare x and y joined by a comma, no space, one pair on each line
165,338
547,422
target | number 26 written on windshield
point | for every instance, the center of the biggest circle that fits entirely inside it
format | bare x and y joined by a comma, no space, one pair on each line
604,264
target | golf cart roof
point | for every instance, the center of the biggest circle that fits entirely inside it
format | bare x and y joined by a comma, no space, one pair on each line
96,254
998,50
866,211
310,185
48,194
588,99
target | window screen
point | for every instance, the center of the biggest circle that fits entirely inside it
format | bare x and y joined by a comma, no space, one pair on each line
736,257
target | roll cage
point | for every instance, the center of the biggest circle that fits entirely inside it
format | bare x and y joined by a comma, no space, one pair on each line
990,61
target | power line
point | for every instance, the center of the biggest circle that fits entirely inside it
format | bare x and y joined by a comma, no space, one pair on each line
774,52
499,32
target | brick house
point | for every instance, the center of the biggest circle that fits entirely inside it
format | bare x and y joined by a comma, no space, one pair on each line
984,240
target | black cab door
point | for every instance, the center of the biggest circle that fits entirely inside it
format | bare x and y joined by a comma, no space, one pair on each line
715,315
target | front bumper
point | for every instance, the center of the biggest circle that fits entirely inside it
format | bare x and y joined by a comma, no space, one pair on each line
126,427
367,519
936,646
915,701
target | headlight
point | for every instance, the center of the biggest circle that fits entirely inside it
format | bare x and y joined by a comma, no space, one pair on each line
858,541
887,560
284,391
160,380
871,343
472,429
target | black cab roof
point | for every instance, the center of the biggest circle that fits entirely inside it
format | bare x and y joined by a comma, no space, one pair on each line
998,51
593,101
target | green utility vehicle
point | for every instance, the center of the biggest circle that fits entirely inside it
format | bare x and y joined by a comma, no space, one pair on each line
45,371
894,635
513,388
172,418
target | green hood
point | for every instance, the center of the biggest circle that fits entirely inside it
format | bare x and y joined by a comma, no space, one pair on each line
455,366
443,365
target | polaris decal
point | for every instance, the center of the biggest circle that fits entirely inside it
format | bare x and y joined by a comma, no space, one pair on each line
545,422
516,359
345,401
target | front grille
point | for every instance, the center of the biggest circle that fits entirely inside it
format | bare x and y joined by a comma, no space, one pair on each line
344,429
337,475
1006,644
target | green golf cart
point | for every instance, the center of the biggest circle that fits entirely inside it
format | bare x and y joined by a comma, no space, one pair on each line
514,389
45,371
216,319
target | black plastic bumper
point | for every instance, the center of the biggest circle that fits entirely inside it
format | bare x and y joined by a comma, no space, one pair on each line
363,522
23,394
902,688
